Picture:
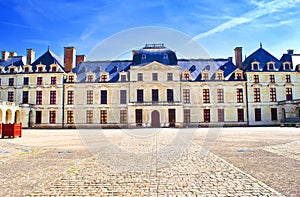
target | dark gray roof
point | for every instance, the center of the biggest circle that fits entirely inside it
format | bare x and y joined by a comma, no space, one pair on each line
47,59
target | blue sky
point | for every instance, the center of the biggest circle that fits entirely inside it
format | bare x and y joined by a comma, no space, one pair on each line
217,26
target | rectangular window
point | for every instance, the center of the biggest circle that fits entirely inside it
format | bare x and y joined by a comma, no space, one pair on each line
52,97
123,116
274,114
205,76
288,78
256,95
26,69
52,117
0,82
25,97
220,115
70,117
123,96
170,96
256,79
206,98
273,95
239,95
170,76
186,76
89,116
140,76
154,76
39,80
103,78
139,117
123,78
206,114
154,95
38,117
89,97
11,81
103,116
103,97
71,78
53,80
220,95
90,78
186,96
257,114
70,97
53,69
140,95
239,76
289,94
26,81
240,115
172,117
187,115
10,96
219,76
272,78
39,97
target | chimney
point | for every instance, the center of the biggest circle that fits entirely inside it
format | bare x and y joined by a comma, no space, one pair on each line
69,58
4,55
238,57
12,54
30,56
79,59
290,51
230,59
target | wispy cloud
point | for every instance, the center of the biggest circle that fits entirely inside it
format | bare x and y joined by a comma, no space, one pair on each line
36,41
261,10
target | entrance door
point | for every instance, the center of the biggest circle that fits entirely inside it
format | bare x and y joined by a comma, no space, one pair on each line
172,117
155,120
139,117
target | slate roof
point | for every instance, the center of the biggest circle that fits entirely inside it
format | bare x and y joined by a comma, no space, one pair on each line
112,67
154,52
263,57
16,61
196,66
47,59
293,58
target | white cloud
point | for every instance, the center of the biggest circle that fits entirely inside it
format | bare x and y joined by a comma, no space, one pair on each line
263,9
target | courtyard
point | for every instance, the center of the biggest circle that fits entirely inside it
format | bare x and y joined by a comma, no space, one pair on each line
248,161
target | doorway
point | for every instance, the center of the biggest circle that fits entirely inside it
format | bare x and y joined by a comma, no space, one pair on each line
172,117
155,120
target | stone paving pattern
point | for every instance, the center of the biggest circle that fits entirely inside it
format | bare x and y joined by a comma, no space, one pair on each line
41,164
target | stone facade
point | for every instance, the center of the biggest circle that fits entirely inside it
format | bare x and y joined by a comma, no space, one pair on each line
154,89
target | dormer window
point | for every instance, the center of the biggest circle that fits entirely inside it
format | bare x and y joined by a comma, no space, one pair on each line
238,75
219,75
287,65
255,65
40,69
205,76
26,69
54,69
11,70
104,78
185,75
271,65
71,78
90,78
123,76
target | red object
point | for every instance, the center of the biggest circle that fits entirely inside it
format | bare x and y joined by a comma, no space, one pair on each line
12,130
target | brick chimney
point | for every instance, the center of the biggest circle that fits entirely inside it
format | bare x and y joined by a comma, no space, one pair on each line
79,59
12,54
238,57
69,58
30,56
4,55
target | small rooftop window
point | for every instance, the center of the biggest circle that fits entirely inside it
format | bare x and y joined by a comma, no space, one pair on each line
143,56
165,56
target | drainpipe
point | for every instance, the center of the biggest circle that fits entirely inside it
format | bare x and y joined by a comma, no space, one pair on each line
247,103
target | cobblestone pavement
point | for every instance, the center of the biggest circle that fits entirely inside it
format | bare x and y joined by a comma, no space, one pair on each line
55,163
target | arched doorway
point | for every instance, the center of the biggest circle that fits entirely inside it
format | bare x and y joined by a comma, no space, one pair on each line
155,119
8,116
17,116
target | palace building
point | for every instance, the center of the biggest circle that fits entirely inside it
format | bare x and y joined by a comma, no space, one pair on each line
153,89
